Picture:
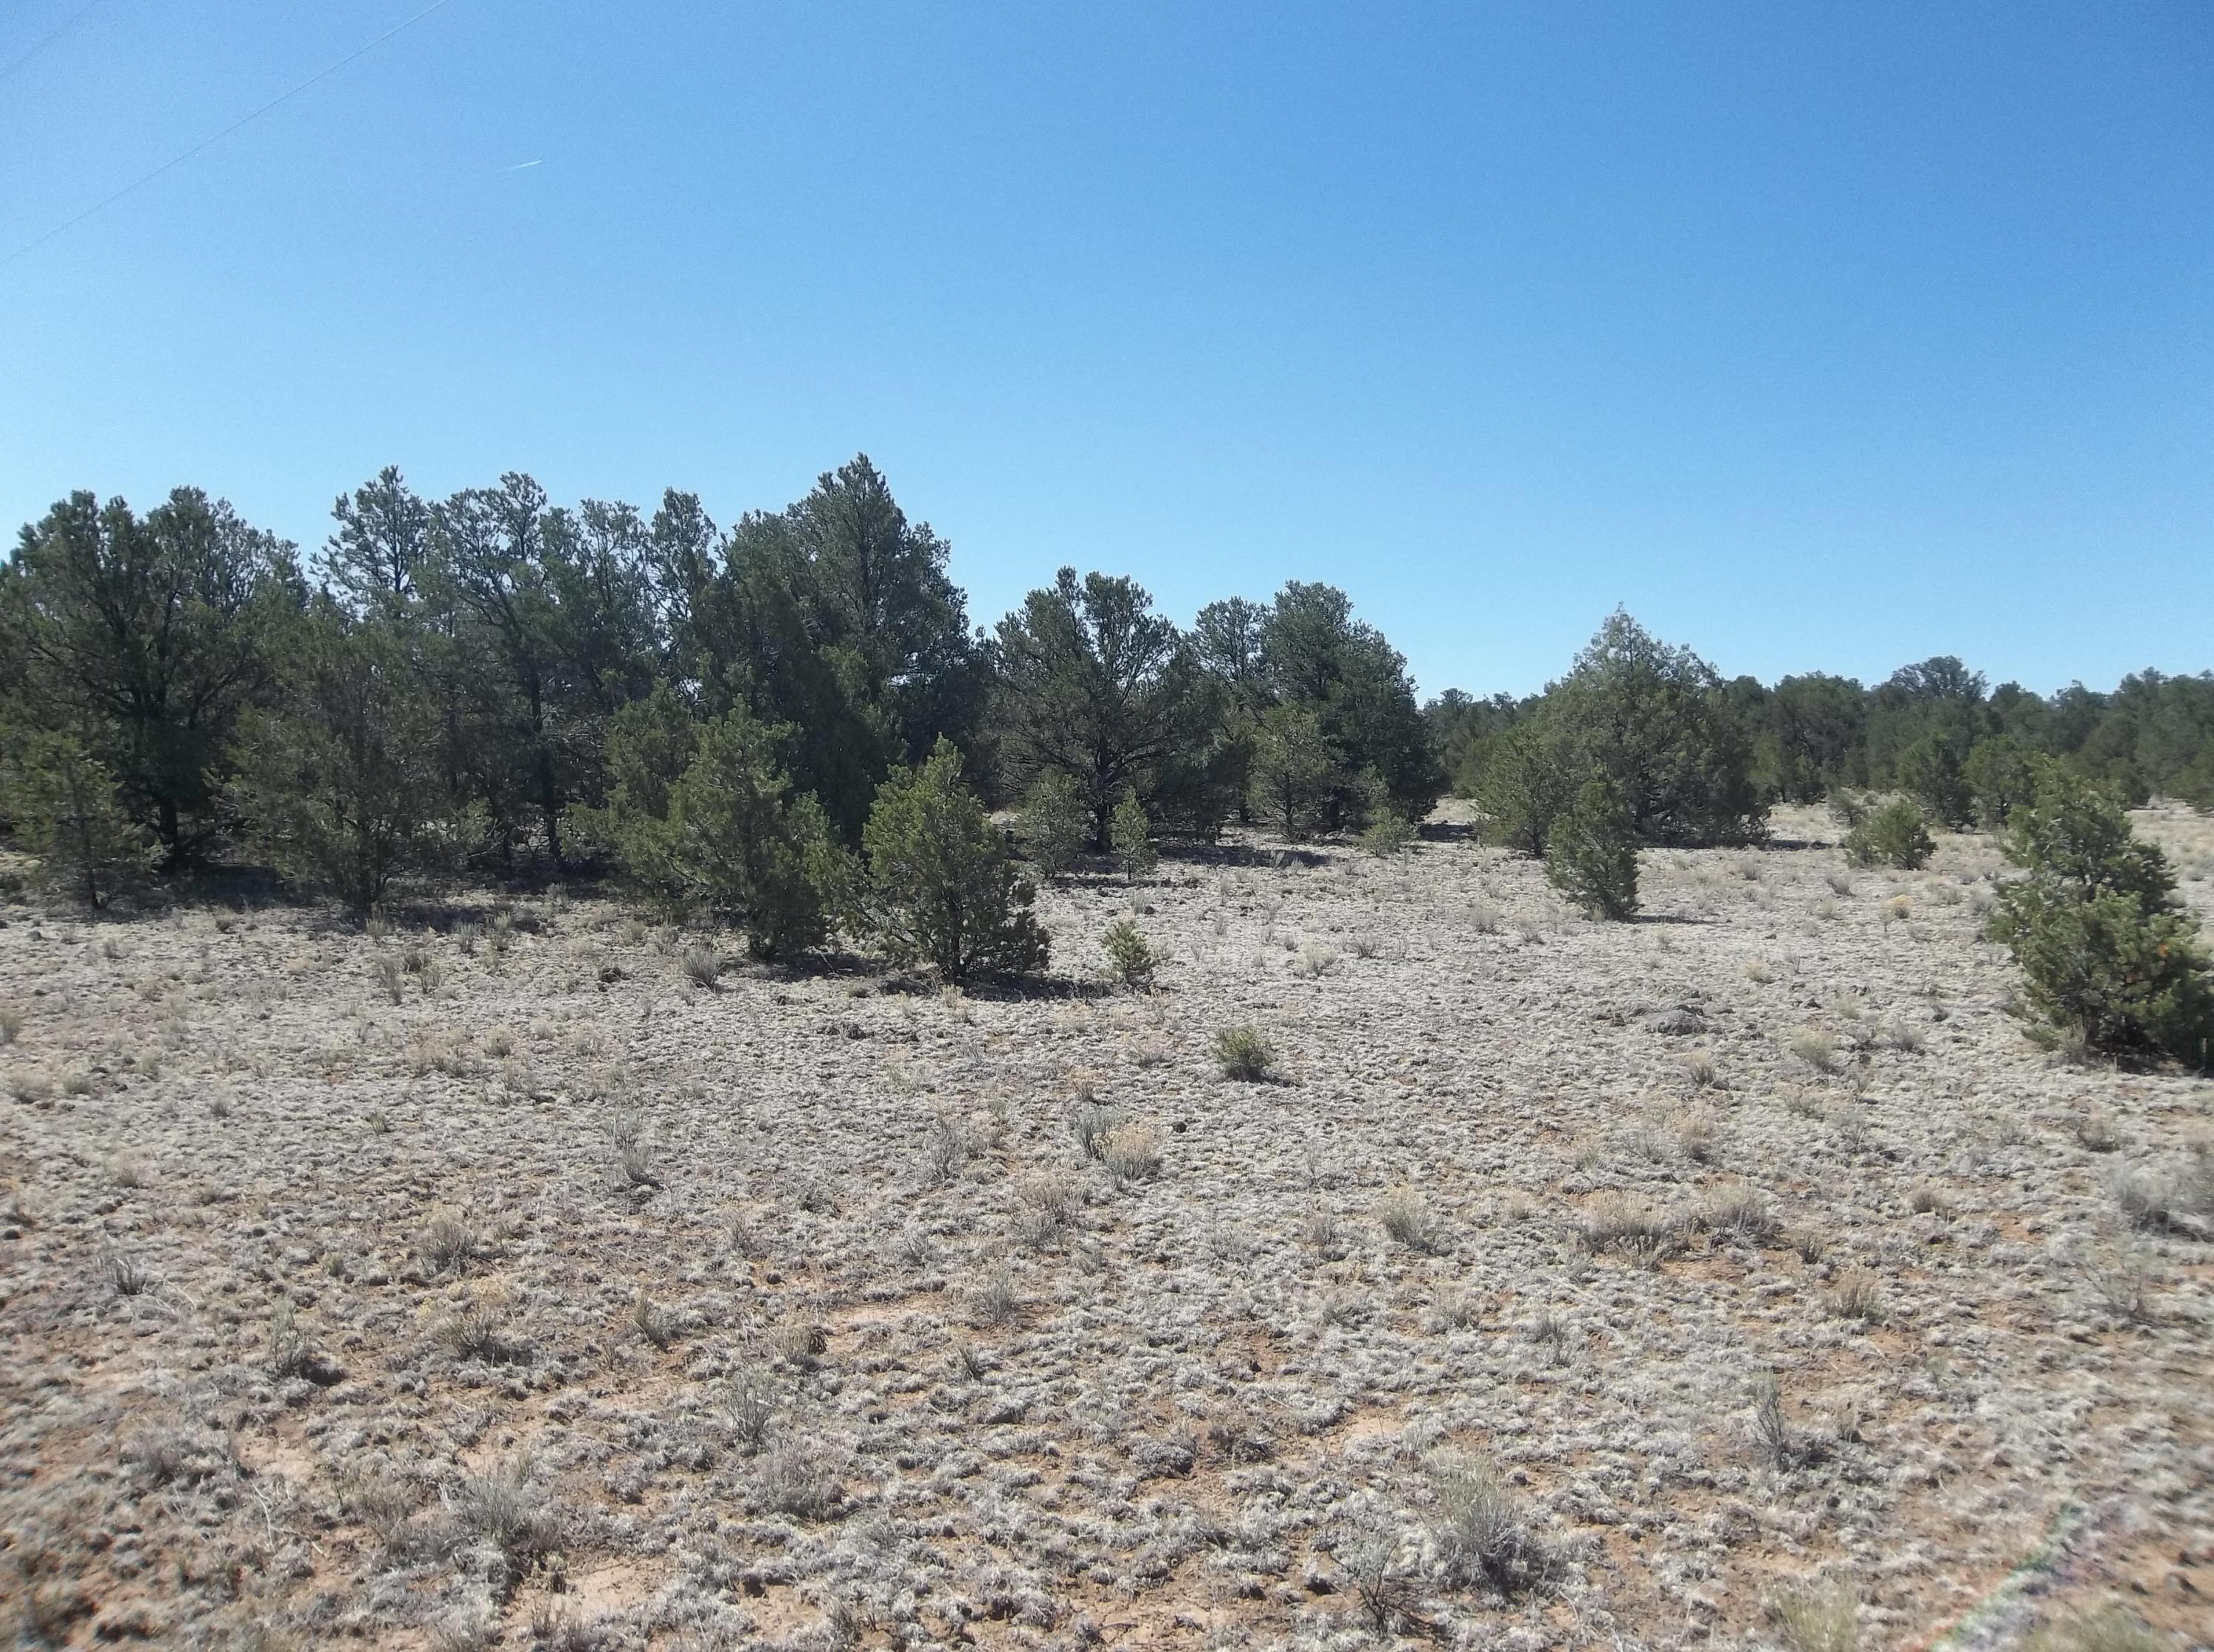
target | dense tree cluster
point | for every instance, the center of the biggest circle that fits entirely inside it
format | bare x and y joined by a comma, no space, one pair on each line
750,723
791,726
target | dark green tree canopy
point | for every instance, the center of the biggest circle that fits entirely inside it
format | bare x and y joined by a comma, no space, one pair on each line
148,637
1094,683
1650,718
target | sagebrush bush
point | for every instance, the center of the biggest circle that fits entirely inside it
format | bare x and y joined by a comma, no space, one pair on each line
2109,955
1890,834
1591,853
1482,1537
943,890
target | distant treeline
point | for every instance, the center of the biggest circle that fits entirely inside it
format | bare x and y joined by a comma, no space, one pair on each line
493,682
1917,731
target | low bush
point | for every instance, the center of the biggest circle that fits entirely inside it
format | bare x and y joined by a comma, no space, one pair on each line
1890,834
1132,957
1053,824
1591,853
943,890
1130,832
1245,1053
2110,956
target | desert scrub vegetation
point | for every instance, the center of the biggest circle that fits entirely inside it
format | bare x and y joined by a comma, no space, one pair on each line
1053,825
942,889
1132,958
2110,956
1591,852
1224,1387
1245,1053
1890,833
1483,1538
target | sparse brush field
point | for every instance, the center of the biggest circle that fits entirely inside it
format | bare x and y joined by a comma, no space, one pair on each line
526,1275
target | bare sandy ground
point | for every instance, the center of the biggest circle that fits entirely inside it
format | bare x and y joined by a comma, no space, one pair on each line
489,1282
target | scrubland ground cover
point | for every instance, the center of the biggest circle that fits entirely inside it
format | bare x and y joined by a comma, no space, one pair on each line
522,1273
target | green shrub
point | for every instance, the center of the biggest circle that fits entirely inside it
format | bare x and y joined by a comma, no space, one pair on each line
943,889
1849,807
1389,834
1931,773
1291,769
1054,824
1591,853
1131,833
2001,775
65,811
2194,782
341,780
1133,957
2110,956
1520,791
1242,1053
733,840
1654,721
1890,834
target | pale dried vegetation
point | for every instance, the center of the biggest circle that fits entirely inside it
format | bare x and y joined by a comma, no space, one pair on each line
1409,1261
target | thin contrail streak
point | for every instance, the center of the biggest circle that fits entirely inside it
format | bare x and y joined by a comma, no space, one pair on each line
68,23
210,142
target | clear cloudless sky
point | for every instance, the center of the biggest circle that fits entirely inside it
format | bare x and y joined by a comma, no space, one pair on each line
1821,337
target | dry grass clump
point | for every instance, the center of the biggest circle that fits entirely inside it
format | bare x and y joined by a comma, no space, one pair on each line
1314,960
996,1302
1930,1199
504,1511
748,1405
945,1151
1740,1212
798,1477
1817,1048
703,965
474,1332
1047,1207
1131,1152
1410,1220
2112,1629
1696,1137
1618,1222
448,1244
1245,1054
1091,1123
1484,1539
653,1322
2095,1131
2182,1200
1321,1233
1858,1295
124,1274
1818,1617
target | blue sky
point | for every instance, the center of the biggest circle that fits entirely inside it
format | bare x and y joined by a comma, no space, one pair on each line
1822,338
